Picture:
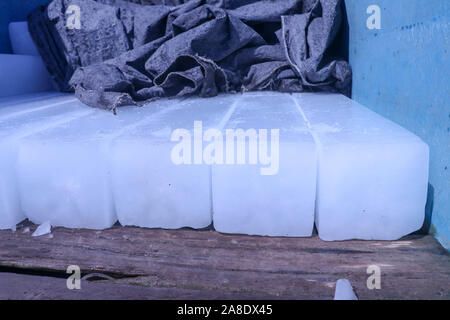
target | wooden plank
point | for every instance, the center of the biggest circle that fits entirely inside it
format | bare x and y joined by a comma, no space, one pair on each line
27,287
235,265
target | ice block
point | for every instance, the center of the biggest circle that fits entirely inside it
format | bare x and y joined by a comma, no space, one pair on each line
64,172
155,183
22,74
21,41
373,174
13,129
261,197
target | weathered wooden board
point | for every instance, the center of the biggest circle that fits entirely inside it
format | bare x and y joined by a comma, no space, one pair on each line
206,264
20,287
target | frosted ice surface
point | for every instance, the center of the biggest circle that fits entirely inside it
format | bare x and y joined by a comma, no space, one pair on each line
22,74
249,199
152,190
64,174
15,128
21,41
12,101
12,107
74,166
344,290
373,174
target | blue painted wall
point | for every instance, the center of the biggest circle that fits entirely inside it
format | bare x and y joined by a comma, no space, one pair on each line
402,71
14,10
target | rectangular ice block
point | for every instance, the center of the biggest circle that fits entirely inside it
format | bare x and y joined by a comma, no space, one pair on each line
27,119
64,172
21,41
22,74
272,191
159,176
373,174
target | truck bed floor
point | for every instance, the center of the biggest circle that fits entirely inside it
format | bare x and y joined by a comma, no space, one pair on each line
191,264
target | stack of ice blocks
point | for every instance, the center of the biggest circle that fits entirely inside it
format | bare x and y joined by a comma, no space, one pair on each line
257,163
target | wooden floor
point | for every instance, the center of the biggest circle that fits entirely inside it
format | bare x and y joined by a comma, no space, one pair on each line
188,264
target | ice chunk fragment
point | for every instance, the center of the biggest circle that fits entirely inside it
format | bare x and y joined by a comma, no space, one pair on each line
22,74
21,41
12,129
373,174
151,188
250,198
64,173
344,290
44,228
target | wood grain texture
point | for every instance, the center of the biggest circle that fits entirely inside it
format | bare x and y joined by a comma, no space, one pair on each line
164,264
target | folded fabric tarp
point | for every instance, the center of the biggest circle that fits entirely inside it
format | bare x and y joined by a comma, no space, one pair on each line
126,52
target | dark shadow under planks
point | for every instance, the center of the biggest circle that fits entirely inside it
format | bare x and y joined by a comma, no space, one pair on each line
163,264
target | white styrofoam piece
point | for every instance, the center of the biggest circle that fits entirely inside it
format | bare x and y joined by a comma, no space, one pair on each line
150,190
21,41
373,174
64,174
22,74
12,130
246,201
